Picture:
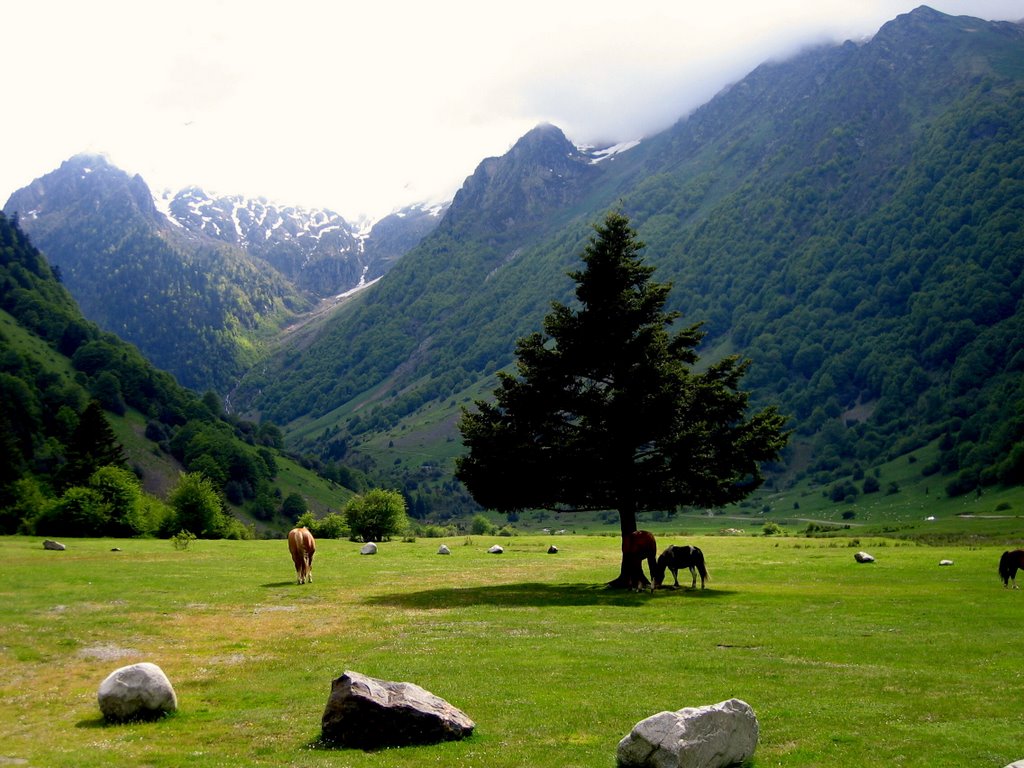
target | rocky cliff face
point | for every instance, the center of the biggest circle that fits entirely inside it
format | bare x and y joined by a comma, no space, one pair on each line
543,171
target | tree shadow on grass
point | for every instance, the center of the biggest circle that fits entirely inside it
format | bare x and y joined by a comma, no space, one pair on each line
279,584
536,595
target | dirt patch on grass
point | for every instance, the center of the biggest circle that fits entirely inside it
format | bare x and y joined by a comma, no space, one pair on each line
107,652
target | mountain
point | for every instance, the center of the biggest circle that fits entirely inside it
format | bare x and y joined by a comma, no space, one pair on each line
202,284
317,250
78,407
848,220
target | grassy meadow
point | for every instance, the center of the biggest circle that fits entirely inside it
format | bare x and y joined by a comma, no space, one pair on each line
899,662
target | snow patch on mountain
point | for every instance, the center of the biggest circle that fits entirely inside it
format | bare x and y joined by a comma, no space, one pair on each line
600,155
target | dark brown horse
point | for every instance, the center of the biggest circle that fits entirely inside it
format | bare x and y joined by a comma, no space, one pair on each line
1009,564
637,547
302,545
675,558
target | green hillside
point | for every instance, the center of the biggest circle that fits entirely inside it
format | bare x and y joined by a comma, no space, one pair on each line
96,440
848,220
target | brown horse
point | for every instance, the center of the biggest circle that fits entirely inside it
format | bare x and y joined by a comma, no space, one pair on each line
302,545
637,547
675,558
1009,563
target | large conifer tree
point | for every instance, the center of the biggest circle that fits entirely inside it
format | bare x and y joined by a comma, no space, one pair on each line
606,411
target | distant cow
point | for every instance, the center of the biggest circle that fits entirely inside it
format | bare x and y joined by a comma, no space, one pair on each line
302,545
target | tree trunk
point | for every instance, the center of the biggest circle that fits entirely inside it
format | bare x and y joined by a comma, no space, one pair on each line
627,525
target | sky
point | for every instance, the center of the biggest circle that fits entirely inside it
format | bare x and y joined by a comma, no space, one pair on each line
364,106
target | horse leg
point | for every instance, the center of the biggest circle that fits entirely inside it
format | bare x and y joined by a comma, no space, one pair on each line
693,576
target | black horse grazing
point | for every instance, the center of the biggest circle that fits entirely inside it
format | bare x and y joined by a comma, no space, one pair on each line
1009,563
674,558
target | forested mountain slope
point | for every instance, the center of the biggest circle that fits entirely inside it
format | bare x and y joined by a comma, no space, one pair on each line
850,220
201,285
85,419
195,306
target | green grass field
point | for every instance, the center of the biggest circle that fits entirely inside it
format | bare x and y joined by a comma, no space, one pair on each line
900,662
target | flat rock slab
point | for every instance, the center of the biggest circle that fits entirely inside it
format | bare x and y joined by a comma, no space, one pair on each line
367,713
136,692
714,736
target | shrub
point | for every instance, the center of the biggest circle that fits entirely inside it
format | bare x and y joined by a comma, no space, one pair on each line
182,539
377,515
481,526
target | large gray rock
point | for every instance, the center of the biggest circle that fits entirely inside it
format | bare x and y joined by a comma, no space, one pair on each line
369,548
863,557
368,713
714,736
136,692
1016,764
56,546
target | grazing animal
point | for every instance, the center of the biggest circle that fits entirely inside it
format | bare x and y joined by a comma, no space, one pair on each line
637,547
302,545
675,558
1009,563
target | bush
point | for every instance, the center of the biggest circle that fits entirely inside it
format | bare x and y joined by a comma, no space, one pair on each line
431,531
481,526
182,539
197,506
377,515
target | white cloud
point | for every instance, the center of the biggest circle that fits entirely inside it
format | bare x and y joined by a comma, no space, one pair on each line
363,107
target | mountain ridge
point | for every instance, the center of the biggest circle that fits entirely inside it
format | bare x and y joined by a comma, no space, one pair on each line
768,208
200,288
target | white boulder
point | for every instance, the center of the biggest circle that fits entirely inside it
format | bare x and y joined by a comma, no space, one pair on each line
136,692
495,550
713,736
443,550
863,557
369,548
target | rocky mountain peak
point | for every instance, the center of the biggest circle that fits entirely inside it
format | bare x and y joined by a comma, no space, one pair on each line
541,172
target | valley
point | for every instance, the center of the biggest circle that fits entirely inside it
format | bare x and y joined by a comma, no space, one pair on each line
845,220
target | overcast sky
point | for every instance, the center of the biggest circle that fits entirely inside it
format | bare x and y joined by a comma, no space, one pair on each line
366,106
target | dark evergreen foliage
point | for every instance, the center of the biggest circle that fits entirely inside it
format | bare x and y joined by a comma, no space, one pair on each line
606,410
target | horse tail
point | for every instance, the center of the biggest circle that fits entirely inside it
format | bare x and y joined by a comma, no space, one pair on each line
701,568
